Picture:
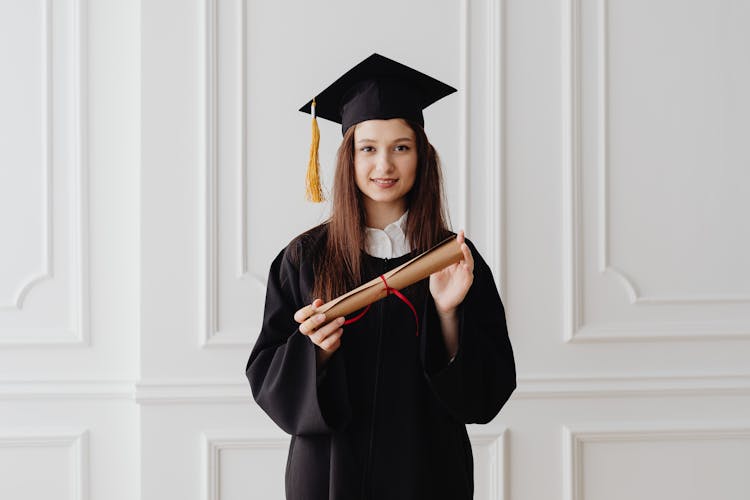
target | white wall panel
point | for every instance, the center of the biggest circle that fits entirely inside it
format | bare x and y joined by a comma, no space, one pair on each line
43,261
26,143
541,448
90,300
189,436
238,463
61,457
69,161
672,460
657,237
82,446
490,463
226,191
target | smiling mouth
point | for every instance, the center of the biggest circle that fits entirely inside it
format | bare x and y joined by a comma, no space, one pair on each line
384,182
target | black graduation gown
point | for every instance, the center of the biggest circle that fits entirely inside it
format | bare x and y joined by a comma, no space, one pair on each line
384,419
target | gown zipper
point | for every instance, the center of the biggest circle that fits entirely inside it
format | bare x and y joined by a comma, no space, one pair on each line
367,480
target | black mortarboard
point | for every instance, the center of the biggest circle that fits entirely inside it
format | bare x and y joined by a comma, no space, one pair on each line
376,88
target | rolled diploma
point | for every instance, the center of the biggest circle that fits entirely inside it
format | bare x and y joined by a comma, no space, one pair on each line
420,267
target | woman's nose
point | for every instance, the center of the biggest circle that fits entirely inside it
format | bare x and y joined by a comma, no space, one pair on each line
383,162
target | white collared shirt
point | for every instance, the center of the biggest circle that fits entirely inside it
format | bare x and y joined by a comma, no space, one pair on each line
389,242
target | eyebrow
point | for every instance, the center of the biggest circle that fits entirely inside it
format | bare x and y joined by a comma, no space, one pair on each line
396,140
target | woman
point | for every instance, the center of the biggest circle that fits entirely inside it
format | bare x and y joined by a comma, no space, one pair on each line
375,411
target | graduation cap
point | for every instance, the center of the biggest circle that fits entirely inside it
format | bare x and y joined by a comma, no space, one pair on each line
377,88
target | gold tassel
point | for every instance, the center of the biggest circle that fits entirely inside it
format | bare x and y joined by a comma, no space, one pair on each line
314,189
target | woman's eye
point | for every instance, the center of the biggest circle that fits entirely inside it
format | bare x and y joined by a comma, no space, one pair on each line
402,147
367,149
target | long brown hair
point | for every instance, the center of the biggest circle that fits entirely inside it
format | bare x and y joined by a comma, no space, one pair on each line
337,268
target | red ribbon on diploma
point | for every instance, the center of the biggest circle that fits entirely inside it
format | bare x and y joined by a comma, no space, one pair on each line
389,291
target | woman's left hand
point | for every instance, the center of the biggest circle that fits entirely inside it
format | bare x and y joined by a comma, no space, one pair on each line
449,286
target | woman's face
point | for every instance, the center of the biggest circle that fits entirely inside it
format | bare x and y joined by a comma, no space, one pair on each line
385,163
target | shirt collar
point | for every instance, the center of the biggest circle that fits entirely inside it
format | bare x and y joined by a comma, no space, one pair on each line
390,241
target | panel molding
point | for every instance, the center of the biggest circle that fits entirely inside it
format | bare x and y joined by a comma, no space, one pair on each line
210,334
533,386
571,165
243,205
562,385
209,319
208,313
77,333
76,441
181,391
495,166
235,391
605,266
464,124
213,442
46,98
574,328
498,465
575,436
660,332
66,389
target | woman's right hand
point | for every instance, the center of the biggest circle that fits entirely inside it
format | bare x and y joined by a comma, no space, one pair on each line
327,337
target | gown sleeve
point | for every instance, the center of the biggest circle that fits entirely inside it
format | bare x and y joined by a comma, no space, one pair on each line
475,385
282,370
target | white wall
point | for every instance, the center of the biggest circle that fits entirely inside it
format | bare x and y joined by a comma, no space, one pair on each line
152,165
69,258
